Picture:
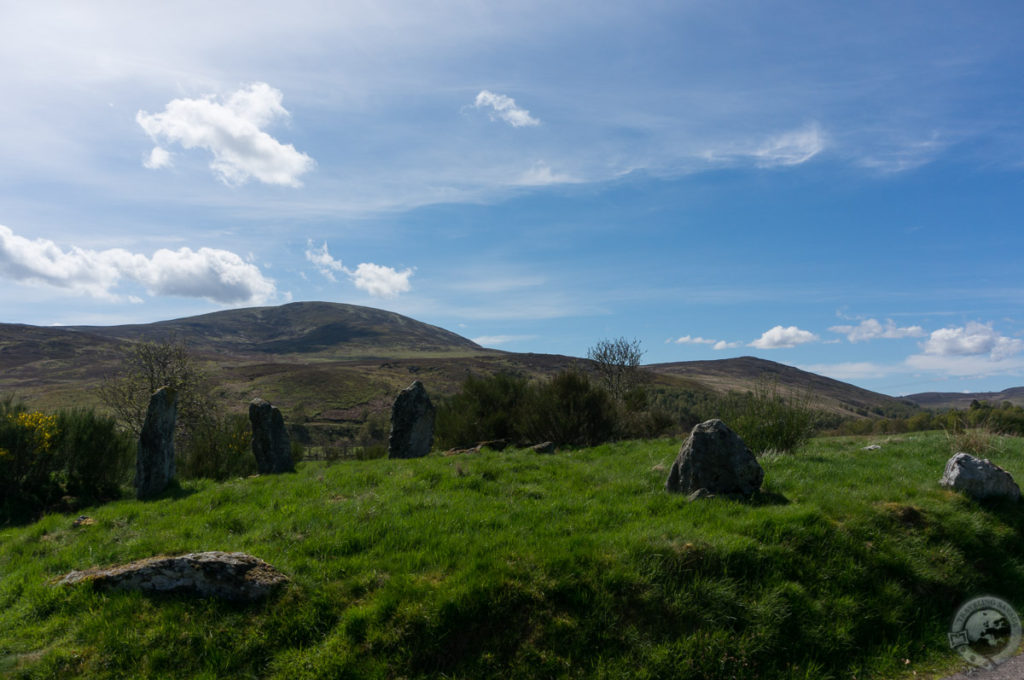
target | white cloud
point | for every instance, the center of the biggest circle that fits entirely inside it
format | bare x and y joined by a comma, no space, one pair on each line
542,175
871,329
381,281
791,148
788,148
688,340
232,132
975,366
495,340
780,338
159,157
375,279
853,370
716,344
325,264
505,108
972,340
218,275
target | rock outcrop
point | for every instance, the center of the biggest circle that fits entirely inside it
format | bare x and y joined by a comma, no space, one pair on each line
714,461
270,442
412,423
230,576
154,463
979,478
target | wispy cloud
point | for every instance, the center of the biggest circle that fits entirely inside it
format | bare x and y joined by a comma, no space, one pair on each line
872,329
232,132
791,148
787,148
783,338
217,275
495,340
504,108
542,175
691,340
697,340
375,279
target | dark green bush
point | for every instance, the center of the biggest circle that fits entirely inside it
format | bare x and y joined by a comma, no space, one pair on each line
219,447
486,408
569,410
768,420
96,457
60,461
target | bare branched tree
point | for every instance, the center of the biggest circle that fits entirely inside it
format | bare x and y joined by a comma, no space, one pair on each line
618,364
148,367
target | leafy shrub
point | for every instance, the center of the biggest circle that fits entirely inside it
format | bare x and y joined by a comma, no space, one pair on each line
97,457
486,408
220,447
767,420
569,410
65,460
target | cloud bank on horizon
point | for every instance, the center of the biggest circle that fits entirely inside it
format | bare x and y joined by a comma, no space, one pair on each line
652,168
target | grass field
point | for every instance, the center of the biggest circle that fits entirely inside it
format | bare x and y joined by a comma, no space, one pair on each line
851,564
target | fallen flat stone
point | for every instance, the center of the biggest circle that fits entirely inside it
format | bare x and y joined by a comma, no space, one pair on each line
543,447
230,576
979,478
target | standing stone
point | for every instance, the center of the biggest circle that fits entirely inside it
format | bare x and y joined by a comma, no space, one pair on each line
714,460
412,423
979,478
154,463
270,442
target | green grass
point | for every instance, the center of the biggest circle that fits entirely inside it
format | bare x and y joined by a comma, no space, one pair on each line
514,564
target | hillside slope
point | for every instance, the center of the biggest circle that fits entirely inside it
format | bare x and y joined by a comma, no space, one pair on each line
948,400
743,374
325,329
335,363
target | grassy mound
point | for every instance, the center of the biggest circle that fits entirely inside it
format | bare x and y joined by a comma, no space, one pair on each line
851,564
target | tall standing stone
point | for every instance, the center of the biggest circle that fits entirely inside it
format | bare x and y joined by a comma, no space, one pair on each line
714,459
154,463
412,423
270,442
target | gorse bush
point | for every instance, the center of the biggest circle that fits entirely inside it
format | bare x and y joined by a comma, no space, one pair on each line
485,408
568,409
64,461
767,420
97,458
220,447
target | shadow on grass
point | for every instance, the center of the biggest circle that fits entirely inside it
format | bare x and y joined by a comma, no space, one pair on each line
174,491
767,498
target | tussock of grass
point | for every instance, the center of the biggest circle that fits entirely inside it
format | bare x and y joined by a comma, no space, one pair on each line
513,564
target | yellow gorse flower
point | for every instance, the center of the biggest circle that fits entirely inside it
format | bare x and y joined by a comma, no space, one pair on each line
43,427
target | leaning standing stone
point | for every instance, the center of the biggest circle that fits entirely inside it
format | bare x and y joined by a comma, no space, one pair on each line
412,423
270,442
979,478
154,463
714,459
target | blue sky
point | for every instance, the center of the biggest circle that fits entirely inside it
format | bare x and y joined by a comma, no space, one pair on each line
833,186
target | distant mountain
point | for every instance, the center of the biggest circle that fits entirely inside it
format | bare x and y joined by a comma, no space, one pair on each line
947,400
743,373
326,329
331,365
